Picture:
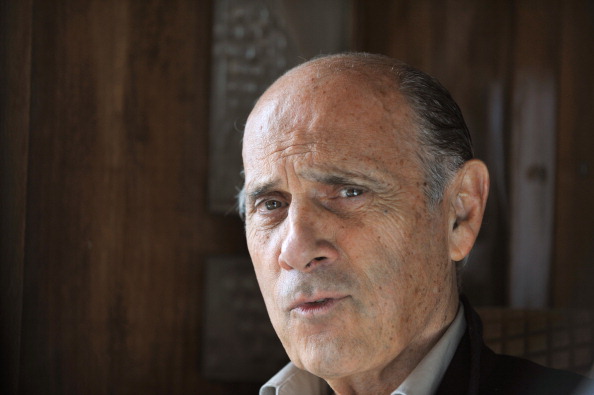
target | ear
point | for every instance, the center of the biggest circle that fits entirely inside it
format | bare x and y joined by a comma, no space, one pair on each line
467,198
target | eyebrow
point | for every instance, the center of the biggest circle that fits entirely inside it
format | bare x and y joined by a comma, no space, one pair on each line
334,176
340,177
261,189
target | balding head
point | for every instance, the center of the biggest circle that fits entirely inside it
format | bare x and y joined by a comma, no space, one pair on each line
439,127
353,252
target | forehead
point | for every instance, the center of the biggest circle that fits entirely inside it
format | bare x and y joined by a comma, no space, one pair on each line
330,121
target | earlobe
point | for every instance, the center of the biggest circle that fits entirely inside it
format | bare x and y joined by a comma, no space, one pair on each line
468,196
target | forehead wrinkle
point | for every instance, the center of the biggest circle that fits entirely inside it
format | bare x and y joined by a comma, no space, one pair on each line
267,183
295,120
311,165
300,149
332,175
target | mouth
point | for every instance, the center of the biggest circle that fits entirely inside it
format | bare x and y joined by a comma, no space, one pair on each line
316,307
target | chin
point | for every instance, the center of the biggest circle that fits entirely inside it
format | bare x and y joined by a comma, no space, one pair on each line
329,363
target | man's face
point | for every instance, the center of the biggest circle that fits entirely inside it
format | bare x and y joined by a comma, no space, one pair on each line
353,266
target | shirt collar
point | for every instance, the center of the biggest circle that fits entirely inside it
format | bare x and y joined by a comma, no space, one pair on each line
426,376
423,380
291,380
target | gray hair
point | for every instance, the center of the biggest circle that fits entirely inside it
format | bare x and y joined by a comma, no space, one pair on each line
442,132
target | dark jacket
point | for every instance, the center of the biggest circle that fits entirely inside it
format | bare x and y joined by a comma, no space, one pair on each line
477,370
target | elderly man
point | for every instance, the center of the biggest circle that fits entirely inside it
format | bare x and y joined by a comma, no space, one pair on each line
361,199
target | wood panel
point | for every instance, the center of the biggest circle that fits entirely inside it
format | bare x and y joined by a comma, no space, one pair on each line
573,271
15,56
402,29
117,224
533,152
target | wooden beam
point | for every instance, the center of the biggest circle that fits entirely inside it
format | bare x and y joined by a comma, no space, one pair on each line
533,152
15,85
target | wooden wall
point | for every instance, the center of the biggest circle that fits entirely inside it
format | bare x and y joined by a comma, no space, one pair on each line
573,269
15,66
105,224
103,153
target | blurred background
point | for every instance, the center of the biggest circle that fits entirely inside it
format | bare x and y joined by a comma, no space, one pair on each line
123,267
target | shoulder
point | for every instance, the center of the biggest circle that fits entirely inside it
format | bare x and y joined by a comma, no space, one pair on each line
512,375
491,374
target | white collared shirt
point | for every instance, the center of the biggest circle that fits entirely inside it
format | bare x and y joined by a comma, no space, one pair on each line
423,380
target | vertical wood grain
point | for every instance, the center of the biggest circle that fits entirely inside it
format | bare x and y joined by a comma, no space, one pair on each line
402,29
573,269
533,152
117,225
15,58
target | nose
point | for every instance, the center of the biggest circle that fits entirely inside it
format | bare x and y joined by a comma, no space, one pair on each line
307,242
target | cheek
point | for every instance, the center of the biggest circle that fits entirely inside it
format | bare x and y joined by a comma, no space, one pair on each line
264,256
378,248
397,259
261,247
265,275
379,259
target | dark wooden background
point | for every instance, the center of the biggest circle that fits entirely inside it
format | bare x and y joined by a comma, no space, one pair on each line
103,163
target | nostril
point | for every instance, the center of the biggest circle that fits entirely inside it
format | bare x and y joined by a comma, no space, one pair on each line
317,259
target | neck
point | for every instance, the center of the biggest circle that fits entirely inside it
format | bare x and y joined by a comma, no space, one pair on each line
387,378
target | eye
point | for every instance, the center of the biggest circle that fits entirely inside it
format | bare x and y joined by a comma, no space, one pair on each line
351,192
272,204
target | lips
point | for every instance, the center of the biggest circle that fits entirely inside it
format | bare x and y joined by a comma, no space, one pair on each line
316,305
